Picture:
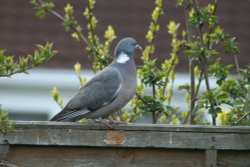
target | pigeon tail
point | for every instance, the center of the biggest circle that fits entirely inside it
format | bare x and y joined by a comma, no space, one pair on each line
69,116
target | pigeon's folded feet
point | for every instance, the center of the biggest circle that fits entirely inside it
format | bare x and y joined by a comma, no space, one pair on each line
108,122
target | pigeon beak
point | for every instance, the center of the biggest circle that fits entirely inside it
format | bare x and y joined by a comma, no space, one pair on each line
138,47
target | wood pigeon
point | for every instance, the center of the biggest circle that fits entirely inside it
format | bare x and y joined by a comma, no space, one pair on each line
108,91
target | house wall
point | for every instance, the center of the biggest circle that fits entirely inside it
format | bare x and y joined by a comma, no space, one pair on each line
20,30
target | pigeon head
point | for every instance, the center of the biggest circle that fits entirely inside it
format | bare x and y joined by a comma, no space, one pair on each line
125,49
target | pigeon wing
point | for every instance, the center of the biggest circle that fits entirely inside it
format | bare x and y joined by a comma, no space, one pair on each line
102,89
98,92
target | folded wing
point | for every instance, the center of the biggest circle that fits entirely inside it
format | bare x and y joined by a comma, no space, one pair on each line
100,91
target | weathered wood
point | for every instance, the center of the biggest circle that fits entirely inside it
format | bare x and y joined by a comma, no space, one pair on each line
4,147
49,144
40,133
232,158
104,157
6,164
133,127
211,158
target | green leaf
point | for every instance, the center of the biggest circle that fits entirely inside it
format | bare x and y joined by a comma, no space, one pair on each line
42,8
173,27
156,13
159,2
6,125
230,45
202,16
91,3
149,36
87,13
109,33
184,87
68,9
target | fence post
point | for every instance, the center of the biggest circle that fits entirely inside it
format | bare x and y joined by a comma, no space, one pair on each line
211,158
4,147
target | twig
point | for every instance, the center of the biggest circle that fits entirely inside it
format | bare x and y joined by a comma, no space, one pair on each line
191,70
63,19
199,84
139,97
205,65
82,37
16,72
192,91
167,76
244,116
236,61
211,27
154,114
91,26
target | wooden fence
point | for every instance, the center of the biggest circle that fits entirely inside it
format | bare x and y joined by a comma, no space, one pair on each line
51,144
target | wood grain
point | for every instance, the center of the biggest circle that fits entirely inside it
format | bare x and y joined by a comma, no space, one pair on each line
4,147
133,127
233,158
103,157
211,158
48,144
47,133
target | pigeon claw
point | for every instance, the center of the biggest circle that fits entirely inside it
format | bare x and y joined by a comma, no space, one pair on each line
108,122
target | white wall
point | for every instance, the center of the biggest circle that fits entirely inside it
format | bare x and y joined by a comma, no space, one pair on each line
26,95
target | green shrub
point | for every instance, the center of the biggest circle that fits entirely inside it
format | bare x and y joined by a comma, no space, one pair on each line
9,66
199,41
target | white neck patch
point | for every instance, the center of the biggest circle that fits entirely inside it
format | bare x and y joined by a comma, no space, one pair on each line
122,58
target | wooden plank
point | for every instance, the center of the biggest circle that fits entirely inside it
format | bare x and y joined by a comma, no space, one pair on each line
232,158
4,147
6,164
104,157
2,138
133,127
136,145
211,158
71,136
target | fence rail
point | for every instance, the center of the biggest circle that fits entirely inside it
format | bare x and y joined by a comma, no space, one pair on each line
50,144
